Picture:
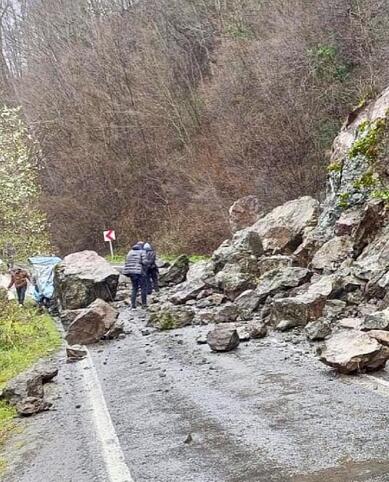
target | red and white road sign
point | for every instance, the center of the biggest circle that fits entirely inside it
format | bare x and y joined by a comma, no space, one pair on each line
109,235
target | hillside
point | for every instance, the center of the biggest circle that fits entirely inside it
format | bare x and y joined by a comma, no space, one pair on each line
153,117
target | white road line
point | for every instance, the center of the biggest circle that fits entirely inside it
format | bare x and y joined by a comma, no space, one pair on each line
378,386
112,453
384,383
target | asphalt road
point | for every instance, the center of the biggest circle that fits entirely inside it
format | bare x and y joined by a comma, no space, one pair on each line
267,412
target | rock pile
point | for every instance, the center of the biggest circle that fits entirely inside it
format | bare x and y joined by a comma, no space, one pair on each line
304,265
26,391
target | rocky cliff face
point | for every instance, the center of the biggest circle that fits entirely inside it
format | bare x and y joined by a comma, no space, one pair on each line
320,270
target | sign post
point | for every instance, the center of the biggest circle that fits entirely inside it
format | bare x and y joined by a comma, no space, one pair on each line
110,236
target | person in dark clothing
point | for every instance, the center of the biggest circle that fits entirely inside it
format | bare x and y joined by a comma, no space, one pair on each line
152,272
19,279
135,267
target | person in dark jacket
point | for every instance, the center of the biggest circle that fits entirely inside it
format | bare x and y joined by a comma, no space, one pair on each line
135,267
152,272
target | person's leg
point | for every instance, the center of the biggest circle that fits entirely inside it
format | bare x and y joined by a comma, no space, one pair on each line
23,294
134,293
19,295
149,284
143,290
154,275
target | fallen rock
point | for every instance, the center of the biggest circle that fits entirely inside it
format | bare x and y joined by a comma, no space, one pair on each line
378,286
232,280
298,310
332,254
381,336
348,222
169,317
247,302
244,212
350,323
75,353
83,277
244,248
257,329
222,339
226,313
318,330
217,298
282,229
201,339
243,333
278,261
68,316
374,259
32,405
29,383
354,351
334,309
176,272
198,279
90,325
376,321
116,330
280,280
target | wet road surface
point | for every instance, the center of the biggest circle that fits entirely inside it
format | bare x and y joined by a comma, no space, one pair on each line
267,412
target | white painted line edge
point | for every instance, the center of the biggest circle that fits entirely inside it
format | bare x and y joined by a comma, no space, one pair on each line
112,453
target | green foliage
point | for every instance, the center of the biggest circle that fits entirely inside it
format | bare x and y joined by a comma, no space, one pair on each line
335,167
166,322
117,258
25,336
382,194
344,200
367,181
367,142
327,64
22,224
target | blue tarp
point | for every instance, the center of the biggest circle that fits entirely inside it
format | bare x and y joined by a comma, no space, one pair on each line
43,275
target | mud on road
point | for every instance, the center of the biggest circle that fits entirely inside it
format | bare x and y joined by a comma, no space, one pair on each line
267,412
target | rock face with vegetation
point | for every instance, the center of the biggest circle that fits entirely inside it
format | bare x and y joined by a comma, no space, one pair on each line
306,265
83,277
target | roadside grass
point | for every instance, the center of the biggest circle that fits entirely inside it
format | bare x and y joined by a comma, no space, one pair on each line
117,258
26,335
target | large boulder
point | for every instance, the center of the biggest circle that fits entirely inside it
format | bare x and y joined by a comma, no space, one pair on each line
91,324
83,277
244,212
26,391
226,313
281,280
354,351
200,276
283,228
233,280
176,272
169,317
332,254
378,320
318,330
244,248
381,336
223,338
268,263
298,310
